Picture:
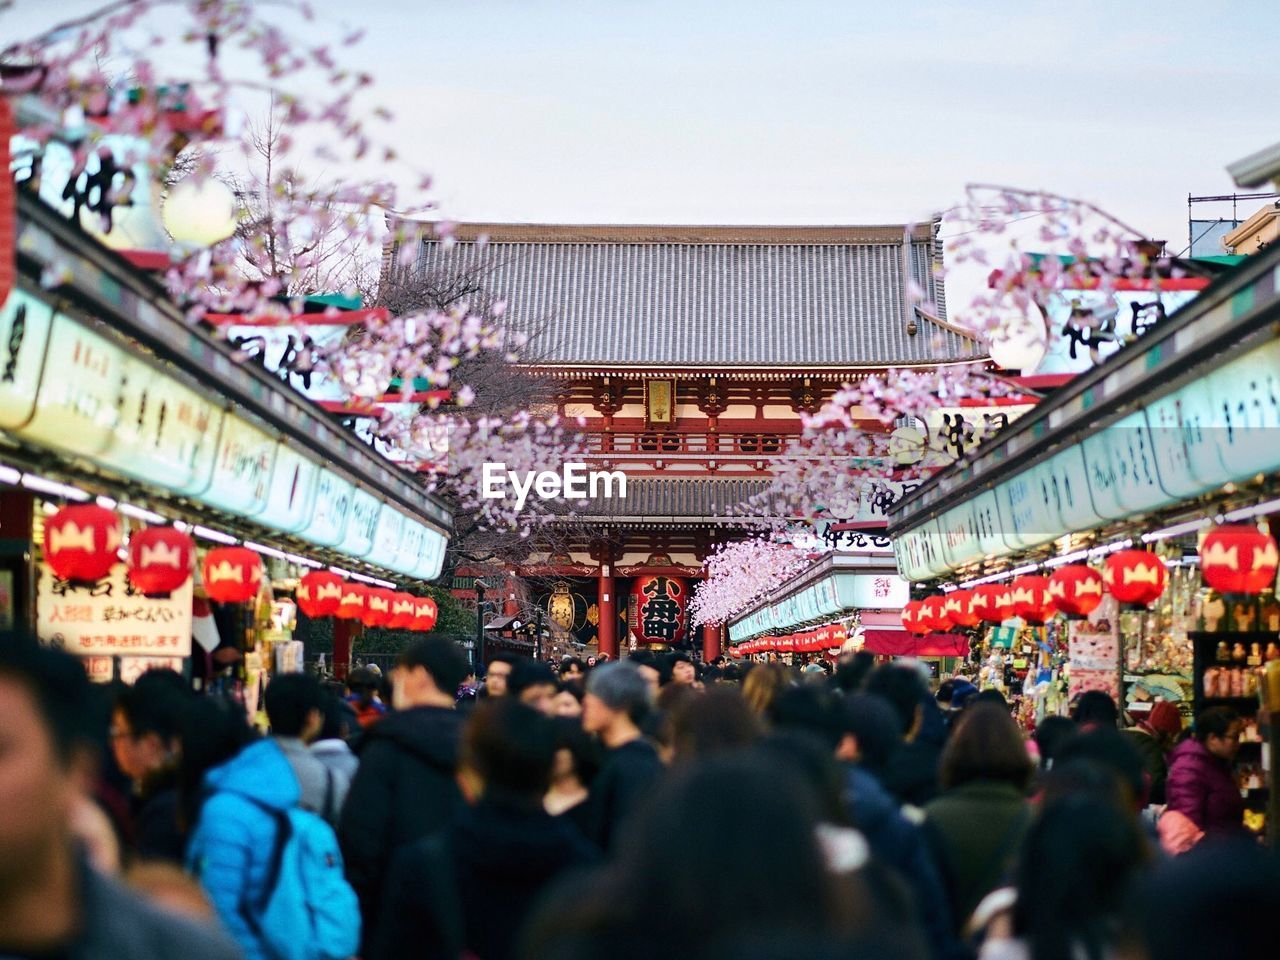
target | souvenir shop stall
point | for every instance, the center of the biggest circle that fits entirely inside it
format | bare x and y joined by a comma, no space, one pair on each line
1119,536
162,504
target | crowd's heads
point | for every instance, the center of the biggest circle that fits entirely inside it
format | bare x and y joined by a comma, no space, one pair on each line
577,752
498,674
1110,751
363,683
510,747
870,730
146,724
46,752
903,687
1077,868
295,705
762,686
655,670
568,700
683,670
572,668
985,745
1051,733
615,690
714,722
1095,708
533,683
1218,728
852,670
430,670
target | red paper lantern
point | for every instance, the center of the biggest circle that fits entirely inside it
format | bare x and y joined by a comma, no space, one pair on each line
1239,558
424,615
232,574
351,603
1031,599
403,607
960,608
82,542
319,593
161,559
377,607
1135,576
933,612
912,619
1076,589
992,602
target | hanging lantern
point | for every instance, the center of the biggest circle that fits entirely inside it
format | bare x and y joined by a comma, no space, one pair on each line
992,602
424,615
933,612
232,574
403,607
1076,590
912,619
1239,558
1031,599
319,593
377,607
351,603
161,559
960,606
1135,576
82,542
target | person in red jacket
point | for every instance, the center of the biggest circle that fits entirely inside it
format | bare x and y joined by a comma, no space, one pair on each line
1201,785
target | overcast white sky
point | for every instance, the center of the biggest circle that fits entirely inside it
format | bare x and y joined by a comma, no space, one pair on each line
795,111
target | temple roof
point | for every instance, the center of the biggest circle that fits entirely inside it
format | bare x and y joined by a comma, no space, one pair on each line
657,498
702,296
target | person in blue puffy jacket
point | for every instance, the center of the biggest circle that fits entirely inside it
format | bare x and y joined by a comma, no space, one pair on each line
231,849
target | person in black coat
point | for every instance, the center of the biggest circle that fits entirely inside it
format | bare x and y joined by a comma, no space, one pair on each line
617,699
405,786
911,774
469,888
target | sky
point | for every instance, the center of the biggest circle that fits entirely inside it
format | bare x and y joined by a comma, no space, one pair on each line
800,111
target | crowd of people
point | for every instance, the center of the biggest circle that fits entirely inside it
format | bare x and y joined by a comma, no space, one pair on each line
587,811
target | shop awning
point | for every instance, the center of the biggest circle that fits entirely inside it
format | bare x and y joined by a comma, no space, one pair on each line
899,643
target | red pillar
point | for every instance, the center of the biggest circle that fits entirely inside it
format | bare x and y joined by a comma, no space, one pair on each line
710,641
343,631
608,629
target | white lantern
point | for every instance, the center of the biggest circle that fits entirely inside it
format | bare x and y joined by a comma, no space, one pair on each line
1021,345
199,212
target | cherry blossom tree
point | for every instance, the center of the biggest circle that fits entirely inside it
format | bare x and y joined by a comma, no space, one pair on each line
741,572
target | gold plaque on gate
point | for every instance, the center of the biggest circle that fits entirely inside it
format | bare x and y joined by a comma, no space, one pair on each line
660,401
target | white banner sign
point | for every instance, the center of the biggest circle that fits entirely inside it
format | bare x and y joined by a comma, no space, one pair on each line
109,618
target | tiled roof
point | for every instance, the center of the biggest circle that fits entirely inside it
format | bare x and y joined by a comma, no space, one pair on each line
720,296
649,498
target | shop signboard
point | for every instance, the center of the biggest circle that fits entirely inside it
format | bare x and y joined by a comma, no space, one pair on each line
881,591
292,492
167,434
100,669
109,618
1178,474
78,403
242,470
362,525
131,668
432,557
332,512
24,332
386,537
412,543
1247,393
1133,463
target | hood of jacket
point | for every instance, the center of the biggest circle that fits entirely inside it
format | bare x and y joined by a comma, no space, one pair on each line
259,772
429,733
510,842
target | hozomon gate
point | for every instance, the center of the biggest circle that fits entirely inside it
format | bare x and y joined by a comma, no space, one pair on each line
691,351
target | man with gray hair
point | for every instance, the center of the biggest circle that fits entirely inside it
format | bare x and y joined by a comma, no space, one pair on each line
613,709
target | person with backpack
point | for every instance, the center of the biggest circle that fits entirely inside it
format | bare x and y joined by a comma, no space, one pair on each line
295,704
503,849
272,870
404,787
